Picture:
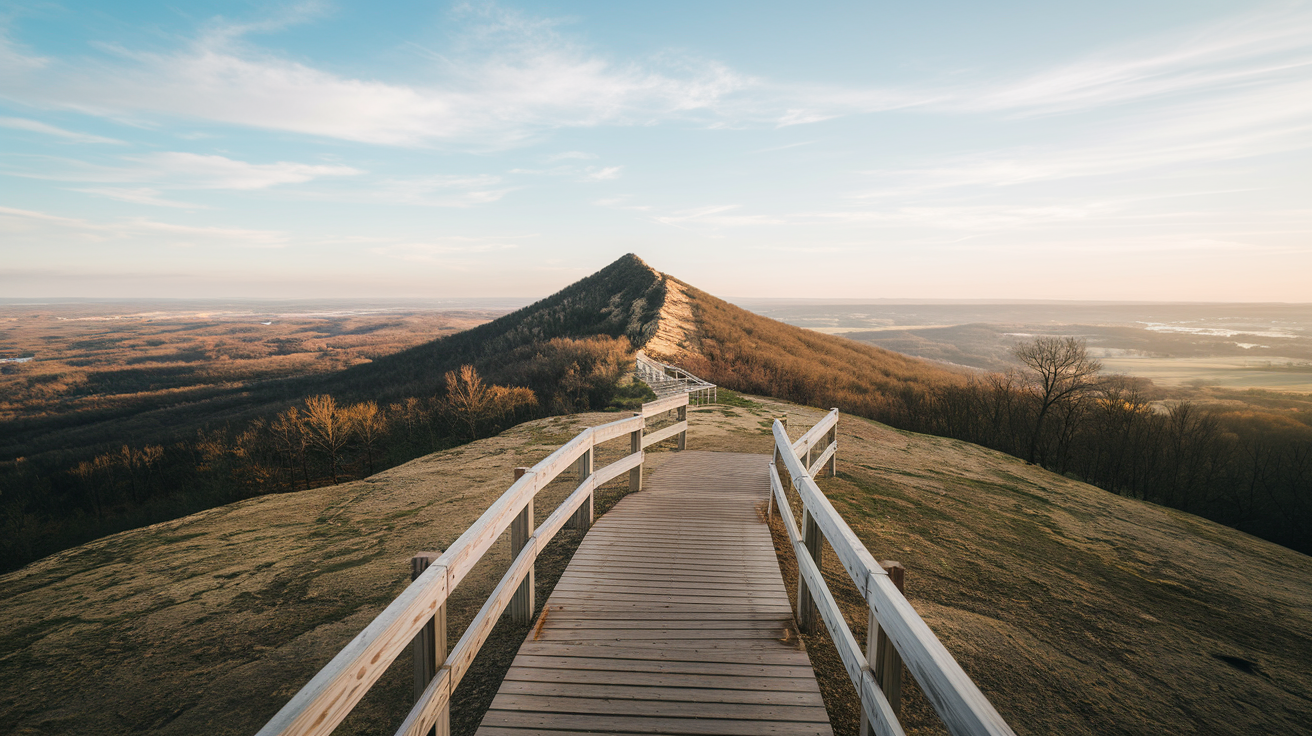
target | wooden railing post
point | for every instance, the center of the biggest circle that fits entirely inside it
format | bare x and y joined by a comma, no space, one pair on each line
807,612
429,645
582,519
683,436
884,660
833,459
635,445
521,528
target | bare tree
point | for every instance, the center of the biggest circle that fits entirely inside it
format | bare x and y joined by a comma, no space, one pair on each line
289,433
470,401
1062,371
328,428
370,426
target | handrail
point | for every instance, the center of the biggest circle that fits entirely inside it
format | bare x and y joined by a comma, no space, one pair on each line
330,695
667,380
960,704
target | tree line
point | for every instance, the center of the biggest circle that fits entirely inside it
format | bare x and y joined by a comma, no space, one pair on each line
1243,468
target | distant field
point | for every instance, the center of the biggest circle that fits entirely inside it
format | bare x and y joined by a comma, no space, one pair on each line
1270,374
1236,346
75,362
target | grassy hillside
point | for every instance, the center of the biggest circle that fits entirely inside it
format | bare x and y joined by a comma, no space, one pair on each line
1076,611
758,355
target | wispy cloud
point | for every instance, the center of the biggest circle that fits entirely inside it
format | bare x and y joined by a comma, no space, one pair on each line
37,126
138,195
33,226
177,170
716,217
1240,52
515,77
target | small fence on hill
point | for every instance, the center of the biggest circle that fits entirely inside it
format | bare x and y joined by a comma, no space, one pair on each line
668,380
417,617
896,633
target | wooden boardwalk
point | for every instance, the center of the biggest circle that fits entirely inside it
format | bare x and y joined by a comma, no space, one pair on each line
671,619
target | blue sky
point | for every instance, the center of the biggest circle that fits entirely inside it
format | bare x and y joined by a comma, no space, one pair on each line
940,150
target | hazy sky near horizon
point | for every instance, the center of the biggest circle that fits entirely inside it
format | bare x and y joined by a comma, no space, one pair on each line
1030,150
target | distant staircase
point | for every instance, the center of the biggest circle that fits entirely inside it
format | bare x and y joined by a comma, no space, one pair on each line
667,380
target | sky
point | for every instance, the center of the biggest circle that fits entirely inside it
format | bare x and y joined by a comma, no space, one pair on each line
940,150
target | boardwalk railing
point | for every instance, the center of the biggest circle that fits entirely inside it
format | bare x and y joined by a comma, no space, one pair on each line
331,694
667,380
960,704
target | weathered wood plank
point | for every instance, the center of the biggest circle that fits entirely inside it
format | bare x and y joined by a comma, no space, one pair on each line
664,434
660,406
683,693
540,722
654,679
637,708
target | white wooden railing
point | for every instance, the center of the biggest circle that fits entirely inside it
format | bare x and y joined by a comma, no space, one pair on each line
667,380
893,621
417,617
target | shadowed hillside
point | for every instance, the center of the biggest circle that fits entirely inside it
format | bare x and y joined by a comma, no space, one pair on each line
1074,610
622,300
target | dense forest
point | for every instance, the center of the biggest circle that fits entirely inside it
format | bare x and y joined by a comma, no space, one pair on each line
1246,464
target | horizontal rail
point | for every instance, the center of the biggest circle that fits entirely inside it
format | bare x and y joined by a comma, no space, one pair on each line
875,704
958,701
664,434
824,458
661,406
424,715
462,654
322,704
814,435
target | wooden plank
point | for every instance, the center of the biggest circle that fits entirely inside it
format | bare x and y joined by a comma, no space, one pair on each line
556,521
813,436
770,624
463,653
820,462
615,430
660,406
688,709
683,693
692,662
675,726
430,707
653,679
664,434
618,468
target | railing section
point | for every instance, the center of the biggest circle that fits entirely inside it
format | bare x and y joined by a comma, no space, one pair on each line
418,615
960,704
667,380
